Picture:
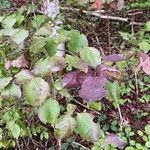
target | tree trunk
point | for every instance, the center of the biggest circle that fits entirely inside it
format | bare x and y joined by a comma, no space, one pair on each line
51,8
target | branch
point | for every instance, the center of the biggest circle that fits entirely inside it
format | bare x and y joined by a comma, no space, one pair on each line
96,112
97,14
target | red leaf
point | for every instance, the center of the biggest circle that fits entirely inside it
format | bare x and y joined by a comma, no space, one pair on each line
81,76
70,80
115,140
113,58
92,89
98,4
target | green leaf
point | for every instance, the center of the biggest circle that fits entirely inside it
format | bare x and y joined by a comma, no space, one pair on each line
15,131
138,146
140,133
82,2
39,19
57,63
113,90
70,109
20,36
91,56
9,31
87,128
1,18
58,85
9,21
23,76
129,148
43,31
76,62
19,19
11,91
42,67
147,144
49,111
38,44
64,126
4,82
148,26
147,129
51,46
96,106
76,40
49,65
60,38
132,142
145,46
126,36
36,91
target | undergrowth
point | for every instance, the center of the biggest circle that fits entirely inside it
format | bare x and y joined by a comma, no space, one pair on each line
86,94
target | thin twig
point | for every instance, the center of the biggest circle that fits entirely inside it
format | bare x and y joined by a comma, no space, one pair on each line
132,25
87,107
99,45
109,38
136,83
120,115
137,23
59,144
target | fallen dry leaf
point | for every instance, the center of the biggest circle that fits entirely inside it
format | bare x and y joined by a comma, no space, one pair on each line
20,62
115,140
98,4
144,63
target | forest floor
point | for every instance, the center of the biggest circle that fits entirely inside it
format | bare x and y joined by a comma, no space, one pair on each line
103,34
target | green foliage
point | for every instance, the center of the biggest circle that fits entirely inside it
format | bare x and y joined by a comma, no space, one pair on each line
139,40
145,137
4,82
76,40
4,4
91,56
34,87
144,4
36,91
87,128
49,111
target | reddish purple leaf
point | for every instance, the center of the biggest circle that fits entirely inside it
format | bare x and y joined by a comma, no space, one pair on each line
70,80
115,140
108,71
113,58
92,89
102,67
81,76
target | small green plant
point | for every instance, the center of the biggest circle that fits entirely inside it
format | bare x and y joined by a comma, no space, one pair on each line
141,4
145,135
